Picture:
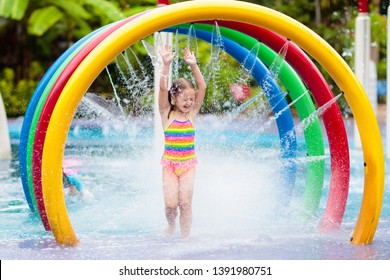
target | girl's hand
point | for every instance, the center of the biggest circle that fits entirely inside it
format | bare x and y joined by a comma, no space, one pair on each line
166,55
189,57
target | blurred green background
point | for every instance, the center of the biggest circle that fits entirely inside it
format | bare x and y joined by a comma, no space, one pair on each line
34,33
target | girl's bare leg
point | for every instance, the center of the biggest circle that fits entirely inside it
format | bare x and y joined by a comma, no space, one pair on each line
186,190
171,198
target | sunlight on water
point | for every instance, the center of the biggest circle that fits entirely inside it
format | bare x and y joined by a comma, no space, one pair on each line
237,213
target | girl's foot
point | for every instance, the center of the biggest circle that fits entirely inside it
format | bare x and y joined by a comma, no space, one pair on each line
185,234
169,229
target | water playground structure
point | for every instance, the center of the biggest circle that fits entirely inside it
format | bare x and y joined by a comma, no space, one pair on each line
243,26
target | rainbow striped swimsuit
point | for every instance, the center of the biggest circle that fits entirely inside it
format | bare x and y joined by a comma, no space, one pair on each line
179,153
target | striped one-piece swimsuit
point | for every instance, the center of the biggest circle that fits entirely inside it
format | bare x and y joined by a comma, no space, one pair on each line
179,153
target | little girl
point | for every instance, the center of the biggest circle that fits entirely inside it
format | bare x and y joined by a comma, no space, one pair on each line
178,108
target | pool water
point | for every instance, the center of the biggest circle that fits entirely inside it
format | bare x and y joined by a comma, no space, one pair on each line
238,209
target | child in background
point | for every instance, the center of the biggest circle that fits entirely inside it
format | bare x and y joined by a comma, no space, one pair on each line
179,106
71,180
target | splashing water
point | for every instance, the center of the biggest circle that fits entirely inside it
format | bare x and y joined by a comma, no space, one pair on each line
279,113
305,123
247,66
236,210
93,104
133,80
235,215
144,77
136,84
118,100
236,111
192,41
281,96
279,61
213,68
176,65
151,52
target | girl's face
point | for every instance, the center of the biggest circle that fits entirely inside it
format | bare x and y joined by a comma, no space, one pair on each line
185,101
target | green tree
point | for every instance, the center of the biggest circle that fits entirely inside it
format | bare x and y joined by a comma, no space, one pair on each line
39,31
37,27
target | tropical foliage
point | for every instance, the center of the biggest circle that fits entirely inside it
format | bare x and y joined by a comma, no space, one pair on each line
34,33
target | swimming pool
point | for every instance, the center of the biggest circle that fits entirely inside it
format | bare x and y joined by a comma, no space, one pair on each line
238,210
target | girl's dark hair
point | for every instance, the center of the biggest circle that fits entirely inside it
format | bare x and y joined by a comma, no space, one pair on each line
177,87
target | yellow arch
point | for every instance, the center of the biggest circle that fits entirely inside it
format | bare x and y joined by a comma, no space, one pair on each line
184,12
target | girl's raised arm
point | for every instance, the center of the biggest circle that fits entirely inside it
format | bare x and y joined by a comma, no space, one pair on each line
167,58
190,59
